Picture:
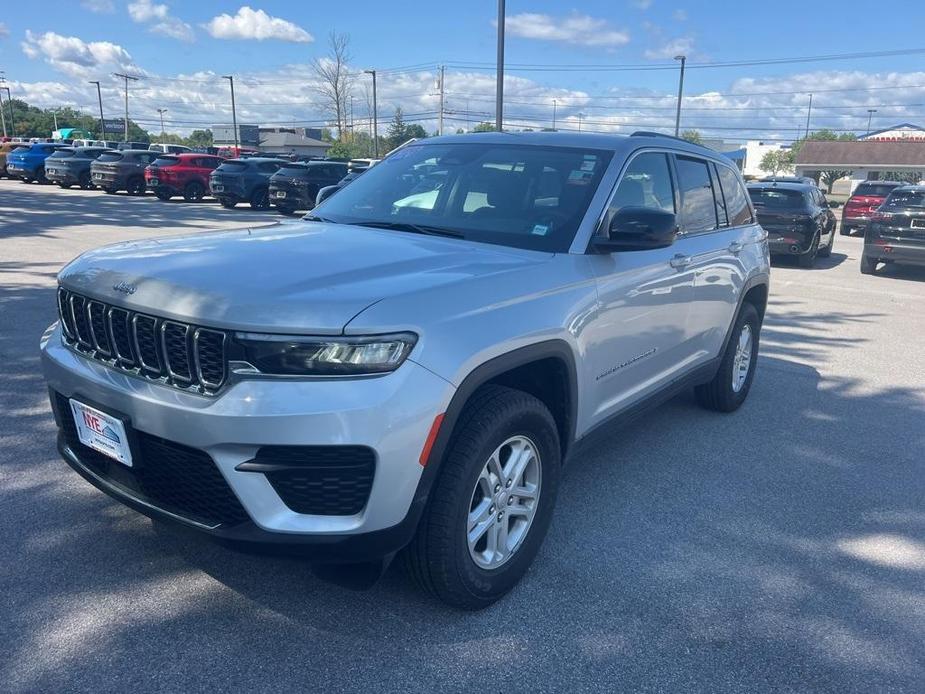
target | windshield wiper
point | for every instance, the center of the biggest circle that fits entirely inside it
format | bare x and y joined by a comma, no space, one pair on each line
413,228
316,218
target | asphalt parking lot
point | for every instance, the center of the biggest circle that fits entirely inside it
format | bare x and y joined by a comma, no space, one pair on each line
779,548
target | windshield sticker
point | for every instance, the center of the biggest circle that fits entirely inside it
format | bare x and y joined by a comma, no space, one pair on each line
580,178
540,229
588,165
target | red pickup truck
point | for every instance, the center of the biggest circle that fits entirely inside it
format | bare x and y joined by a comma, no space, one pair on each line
185,174
867,197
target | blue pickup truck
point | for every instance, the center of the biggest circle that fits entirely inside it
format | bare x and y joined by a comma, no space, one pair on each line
29,164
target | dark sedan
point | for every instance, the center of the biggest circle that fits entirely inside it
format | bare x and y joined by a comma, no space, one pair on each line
244,180
896,233
797,218
71,166
122,170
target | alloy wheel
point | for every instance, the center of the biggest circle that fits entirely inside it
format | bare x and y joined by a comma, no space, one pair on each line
742,362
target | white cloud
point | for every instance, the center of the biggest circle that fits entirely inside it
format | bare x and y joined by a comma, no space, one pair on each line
679,15
160,20
98,6
679,46
73,55
4,32
249,24
643,4
576,28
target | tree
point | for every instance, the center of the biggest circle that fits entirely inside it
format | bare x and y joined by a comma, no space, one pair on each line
829,176
776,161
395,135
415,131
692,136
484,127
200,138
335,79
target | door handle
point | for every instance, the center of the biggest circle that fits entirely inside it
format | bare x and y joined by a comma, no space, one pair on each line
679,262
735,247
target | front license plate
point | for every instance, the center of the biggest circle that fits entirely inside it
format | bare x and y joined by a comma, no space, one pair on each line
101,432
218,189
918,223
281,193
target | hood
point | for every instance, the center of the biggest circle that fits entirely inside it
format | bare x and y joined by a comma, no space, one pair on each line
302,277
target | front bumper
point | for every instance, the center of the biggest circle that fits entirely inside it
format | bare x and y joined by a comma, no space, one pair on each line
390,414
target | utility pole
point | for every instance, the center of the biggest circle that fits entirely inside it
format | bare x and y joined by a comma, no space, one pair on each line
870,114
580,116
161,112
499,76
809,113
126,78
2,113
440,84
9,98
554,104
234,114
677,118
375,116
99,95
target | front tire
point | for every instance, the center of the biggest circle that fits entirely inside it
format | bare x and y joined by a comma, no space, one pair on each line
492,502
729,387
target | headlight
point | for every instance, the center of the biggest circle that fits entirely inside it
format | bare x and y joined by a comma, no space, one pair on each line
326,356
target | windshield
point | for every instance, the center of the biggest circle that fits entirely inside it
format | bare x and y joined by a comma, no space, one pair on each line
166,161
62,154
777,199
906,198
876,189
232,166
110,156
524,196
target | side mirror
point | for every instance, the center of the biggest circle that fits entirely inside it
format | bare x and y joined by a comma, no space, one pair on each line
638,229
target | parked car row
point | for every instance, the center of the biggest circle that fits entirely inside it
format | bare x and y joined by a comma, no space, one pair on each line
260,181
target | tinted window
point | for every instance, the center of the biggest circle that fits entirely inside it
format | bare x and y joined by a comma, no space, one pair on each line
90,153
880,189
698,208
268,167
906,198
62,154
166,161
734,196
232,166
146,158
645,183
778,199
517,195
110,156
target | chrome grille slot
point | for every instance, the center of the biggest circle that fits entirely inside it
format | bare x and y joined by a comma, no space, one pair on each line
81,322
144,330
176,350
121,330
98,332
178,354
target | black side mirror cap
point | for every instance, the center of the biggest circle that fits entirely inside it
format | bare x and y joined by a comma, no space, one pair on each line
638,229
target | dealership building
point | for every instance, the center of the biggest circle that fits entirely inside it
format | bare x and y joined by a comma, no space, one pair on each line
865,160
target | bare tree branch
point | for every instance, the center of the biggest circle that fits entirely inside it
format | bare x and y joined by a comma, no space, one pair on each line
335,79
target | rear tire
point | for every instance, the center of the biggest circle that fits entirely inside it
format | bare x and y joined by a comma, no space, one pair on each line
162,195
84,181
827,251
193,192
845,231
40,176
260,199
808,259
470,500
288,211
109,191
868,265
135,186
227,203
64,186
729,387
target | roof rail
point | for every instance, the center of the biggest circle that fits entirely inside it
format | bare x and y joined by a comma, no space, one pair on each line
652,133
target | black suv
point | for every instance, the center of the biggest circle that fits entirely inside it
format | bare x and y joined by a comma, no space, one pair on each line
295,186
71,166
244,180
896,232
797,218
328,191
122,170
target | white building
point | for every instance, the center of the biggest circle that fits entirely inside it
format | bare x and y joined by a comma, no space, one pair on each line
754,153
904,132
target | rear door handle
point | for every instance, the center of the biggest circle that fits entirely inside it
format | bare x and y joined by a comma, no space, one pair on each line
679,262
735,247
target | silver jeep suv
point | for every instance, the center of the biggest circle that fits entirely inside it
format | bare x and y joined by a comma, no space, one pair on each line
406,369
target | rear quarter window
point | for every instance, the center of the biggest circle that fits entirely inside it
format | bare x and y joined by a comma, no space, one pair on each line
737,209
698,207
166,161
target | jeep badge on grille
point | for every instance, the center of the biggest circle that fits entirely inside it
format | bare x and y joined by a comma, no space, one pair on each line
125,287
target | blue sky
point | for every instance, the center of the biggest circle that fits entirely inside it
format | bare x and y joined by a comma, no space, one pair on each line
182,49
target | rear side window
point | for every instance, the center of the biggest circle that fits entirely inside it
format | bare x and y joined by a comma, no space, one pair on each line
166,161
233,166
735,197
62,154
645,183
698,207
878,189
268,167
110,157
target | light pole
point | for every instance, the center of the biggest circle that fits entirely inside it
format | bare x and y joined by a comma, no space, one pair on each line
161,112
809,113
677,118
375,116
499,76
870,114
126,78
234,115
554,104
2,112
99,95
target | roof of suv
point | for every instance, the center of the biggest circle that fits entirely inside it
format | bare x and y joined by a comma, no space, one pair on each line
781,185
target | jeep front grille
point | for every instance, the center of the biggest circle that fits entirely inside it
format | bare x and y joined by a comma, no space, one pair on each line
178,354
